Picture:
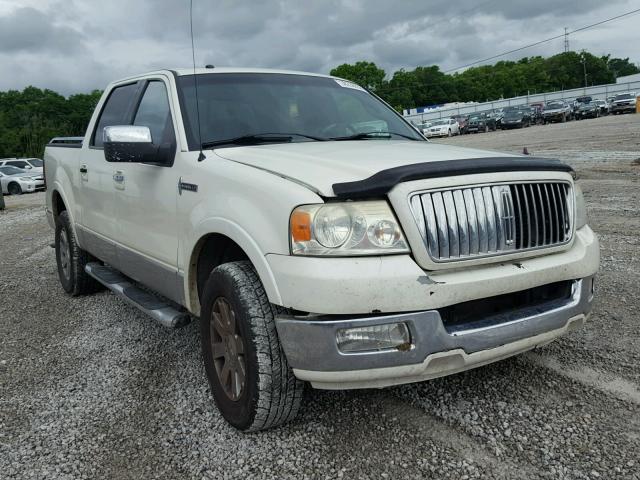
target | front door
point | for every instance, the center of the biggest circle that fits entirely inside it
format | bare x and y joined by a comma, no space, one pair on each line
145,201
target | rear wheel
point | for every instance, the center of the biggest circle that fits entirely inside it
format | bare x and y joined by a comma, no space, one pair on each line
252,384
71,260
14,189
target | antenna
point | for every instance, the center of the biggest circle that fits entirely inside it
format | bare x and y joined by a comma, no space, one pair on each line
201,157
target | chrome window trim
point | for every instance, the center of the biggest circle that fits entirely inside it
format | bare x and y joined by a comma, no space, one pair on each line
571,213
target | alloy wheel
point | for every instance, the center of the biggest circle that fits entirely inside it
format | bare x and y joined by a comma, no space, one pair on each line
227,348
65,254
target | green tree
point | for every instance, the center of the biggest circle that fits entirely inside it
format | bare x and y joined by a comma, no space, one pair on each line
365,74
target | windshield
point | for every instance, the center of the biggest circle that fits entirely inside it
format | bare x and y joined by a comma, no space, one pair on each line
440,122
233,105
475,118
624,96
552,106
36,162
513,113
12,170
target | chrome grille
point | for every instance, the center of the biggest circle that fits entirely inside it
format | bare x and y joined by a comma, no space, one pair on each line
491,220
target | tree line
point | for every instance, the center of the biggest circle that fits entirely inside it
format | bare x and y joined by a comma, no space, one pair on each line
430,86
31,117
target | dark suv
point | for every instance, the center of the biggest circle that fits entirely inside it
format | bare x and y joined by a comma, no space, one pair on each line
481,122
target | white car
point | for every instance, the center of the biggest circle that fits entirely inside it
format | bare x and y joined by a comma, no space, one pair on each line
443,128
313,244
16,181
34,166
624,102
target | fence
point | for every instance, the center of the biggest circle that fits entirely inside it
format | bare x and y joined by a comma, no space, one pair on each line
598,91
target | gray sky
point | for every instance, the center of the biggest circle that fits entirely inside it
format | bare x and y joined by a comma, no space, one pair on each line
78,45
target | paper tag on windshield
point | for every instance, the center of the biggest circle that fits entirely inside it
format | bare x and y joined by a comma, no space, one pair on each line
348,84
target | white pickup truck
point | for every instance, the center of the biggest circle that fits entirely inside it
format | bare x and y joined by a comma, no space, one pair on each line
316,235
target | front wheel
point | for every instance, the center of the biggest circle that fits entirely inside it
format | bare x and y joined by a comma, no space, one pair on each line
14,189
252,384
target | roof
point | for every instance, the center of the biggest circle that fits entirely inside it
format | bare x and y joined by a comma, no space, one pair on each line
208,71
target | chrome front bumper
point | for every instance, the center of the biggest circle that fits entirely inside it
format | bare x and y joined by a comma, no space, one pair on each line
312,350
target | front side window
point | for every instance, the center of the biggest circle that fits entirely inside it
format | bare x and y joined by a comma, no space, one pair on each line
36,162
154,112
239,104
19,164
115,111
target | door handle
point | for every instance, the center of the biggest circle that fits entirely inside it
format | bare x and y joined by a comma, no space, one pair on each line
118,177
83,169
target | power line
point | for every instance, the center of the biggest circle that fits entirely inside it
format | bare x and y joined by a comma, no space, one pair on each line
543,41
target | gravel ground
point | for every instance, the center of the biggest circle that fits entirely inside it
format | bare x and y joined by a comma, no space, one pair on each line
90,388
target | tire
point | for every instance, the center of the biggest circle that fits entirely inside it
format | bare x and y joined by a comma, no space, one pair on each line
270,394
71,260
14,189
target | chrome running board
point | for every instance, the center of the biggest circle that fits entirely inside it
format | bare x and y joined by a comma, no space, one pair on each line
157,308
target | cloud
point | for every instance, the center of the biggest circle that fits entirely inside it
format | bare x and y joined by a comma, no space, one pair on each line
78,45
29,30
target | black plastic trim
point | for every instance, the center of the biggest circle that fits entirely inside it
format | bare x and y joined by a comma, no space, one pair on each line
383,181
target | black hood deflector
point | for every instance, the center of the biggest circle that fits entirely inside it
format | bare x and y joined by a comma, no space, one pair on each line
380,183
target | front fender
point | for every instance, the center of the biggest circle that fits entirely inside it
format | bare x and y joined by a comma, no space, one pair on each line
235,232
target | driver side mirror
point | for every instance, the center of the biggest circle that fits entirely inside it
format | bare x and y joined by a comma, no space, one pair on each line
133,144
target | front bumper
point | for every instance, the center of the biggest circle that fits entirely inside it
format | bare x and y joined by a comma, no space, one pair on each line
396,283
626,107
437,350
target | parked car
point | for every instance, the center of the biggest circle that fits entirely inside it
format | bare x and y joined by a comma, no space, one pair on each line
463,123
556,111
443,128
603,105
316,252
624,102
16,181
32,165
481,122
588,110
517,118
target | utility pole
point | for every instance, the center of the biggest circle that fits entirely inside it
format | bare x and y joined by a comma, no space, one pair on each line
566,39
584,68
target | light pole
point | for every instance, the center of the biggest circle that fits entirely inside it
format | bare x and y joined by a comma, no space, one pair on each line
584,69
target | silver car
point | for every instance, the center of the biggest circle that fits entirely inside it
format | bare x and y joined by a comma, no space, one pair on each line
15,181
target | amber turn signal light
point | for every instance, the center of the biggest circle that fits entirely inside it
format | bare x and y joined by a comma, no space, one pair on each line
300,226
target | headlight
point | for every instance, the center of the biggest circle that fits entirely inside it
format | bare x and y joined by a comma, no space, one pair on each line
581,209
345,229
26,179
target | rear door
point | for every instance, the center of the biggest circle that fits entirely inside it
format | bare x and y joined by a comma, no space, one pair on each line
146,198
98,232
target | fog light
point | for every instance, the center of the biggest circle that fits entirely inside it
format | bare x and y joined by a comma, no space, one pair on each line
374,337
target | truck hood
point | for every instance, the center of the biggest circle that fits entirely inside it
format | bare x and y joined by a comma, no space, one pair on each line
318,165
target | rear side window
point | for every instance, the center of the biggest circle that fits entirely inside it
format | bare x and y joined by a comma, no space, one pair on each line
115,111
154,112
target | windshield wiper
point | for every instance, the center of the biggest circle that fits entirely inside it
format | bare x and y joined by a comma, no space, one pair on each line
258,138
369,135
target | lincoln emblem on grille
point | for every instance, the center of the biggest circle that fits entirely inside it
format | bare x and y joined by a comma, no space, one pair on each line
508,217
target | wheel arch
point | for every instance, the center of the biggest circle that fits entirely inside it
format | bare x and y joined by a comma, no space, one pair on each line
223,241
